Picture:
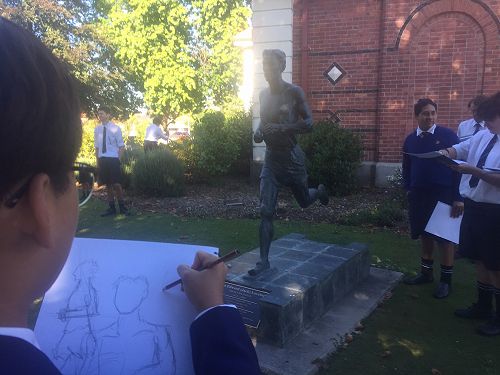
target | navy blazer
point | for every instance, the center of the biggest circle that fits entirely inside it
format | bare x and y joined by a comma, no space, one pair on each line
221,345
19,357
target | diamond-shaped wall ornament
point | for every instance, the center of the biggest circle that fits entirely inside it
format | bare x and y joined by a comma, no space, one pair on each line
334,73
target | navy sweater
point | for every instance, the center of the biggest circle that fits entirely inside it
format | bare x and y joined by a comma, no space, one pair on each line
427,173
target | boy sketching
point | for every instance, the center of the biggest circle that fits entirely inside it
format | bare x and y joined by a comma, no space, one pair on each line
40,135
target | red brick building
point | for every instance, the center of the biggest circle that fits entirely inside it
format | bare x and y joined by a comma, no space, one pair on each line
382,55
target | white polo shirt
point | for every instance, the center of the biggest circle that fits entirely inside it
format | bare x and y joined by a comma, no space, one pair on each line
154,133
431,130
470,151
114,140
467,128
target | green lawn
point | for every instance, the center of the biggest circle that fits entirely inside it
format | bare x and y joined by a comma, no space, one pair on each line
412,333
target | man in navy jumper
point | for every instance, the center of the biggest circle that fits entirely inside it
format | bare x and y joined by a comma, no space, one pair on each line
428,182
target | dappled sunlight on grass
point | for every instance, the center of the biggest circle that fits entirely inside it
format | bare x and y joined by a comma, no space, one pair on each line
412,347
120,217
390,343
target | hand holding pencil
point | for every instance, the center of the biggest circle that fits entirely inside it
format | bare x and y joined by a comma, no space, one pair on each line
203,282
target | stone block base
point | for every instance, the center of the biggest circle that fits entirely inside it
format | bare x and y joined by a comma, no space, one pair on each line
306,278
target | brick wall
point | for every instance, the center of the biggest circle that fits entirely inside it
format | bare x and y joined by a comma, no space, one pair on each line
393,52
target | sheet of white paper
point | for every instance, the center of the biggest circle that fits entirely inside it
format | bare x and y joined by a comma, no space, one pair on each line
442,225
106,313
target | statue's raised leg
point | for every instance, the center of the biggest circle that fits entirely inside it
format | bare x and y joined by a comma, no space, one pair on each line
305,196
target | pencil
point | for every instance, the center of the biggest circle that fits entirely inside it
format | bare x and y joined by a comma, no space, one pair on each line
233,254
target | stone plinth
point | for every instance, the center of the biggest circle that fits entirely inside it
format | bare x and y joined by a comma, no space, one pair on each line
306,278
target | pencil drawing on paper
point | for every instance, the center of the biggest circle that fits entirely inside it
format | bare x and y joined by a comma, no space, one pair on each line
77,346
120,341
131,332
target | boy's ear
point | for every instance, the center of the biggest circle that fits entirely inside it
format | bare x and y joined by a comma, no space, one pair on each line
40,198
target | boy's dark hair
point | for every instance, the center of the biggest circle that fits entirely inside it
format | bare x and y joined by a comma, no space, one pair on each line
279,54
157,120
40,126
421,103
476,101
489,109
104,108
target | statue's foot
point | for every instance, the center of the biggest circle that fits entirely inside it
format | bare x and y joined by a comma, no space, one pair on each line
259,268
323,194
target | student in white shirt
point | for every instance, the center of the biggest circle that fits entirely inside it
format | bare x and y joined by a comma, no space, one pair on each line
470,127
109,147
480,229
153,134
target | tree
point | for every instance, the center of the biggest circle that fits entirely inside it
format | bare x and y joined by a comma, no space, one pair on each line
152,38
217,58
69,29
181,53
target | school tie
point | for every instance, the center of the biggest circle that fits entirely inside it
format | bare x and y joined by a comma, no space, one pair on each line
482,159
424,134
477,127
103,138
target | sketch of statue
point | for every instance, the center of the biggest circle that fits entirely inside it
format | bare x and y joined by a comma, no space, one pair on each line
76,356
284,114
131,333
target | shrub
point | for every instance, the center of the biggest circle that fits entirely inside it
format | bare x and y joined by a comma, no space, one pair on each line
87,151
183,150
130,157
158,173
239,125
213,148
333,157
396,188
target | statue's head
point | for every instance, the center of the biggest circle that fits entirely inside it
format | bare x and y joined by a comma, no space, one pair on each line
130,292
273,63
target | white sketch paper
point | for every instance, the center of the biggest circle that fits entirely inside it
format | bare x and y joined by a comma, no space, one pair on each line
442,225
107,314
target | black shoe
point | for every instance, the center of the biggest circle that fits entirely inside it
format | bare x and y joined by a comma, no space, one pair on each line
474,312
492,328
124,211
442,290
109,212
323,195
419,279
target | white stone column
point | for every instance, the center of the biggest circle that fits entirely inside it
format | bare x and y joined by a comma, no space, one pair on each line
272,29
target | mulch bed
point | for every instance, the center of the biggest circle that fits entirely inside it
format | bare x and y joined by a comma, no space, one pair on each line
234,198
